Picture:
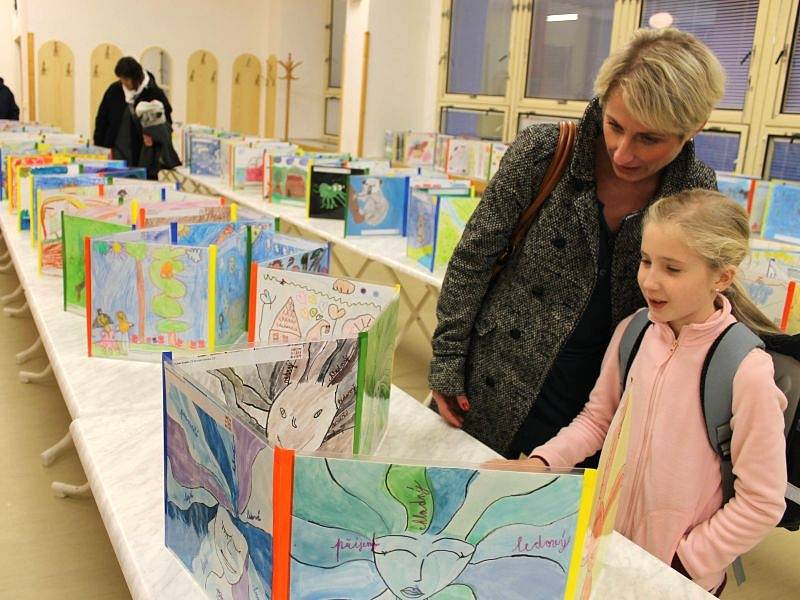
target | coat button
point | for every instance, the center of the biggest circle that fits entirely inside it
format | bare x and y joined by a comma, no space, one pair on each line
490,381
515,334
559,243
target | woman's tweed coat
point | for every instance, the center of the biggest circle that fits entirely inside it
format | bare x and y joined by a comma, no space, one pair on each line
498,347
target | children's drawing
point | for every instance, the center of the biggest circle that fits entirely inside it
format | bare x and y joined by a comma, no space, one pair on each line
278,251
736,188
301,397
782,220
328,195
218,495
162,291
293,306
289,178
419,148
205,155
498,151
453,213
231,287
421,228
610,478
442,144
385,531
468,158
75,229
377,205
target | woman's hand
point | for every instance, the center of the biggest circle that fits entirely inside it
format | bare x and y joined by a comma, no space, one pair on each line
451,408
148,140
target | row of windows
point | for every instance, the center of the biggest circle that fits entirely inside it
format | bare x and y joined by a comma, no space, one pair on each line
507,64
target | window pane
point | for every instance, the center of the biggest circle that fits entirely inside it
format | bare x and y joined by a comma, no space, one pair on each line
332,106
717,149
477,62
487,125
569,41
338,14
783,159
726,26
528,119
791,98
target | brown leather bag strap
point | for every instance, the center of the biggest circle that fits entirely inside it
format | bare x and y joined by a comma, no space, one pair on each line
561,157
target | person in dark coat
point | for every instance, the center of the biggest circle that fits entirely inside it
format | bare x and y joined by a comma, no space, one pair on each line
116,125
8,106
515,363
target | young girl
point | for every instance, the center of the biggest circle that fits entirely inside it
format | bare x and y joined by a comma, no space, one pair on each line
671,502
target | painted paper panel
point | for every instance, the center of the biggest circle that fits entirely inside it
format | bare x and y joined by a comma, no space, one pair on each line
328,196
74,230
147,298
292,306
205,153
218,495
453,214
279,251
377,205
300,396
376,530
289,179
469,158
419,148
782,221
232,291
421,230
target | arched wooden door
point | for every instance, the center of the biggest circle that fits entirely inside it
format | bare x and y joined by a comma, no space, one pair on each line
201,89
101,75
57,85
246,94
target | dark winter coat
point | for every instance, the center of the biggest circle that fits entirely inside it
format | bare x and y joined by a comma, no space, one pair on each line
8,106
499,347
114,113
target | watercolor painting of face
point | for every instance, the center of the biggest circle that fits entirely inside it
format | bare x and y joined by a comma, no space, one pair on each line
370,529
416,567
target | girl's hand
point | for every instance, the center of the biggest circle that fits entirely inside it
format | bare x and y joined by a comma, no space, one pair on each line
451,408
524,464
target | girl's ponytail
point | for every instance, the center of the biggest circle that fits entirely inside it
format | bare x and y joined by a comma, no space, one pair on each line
746,312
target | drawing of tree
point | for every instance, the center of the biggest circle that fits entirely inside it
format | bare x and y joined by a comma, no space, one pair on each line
167,304
138,252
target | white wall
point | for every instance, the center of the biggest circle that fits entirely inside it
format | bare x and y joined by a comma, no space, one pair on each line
403,67
227,29
403,70
298,26
9,57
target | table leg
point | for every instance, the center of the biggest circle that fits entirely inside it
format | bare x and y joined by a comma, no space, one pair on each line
50,455
27,354
31,377
17,293
21,311
67,490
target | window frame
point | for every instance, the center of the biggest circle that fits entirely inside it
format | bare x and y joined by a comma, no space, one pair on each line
332,92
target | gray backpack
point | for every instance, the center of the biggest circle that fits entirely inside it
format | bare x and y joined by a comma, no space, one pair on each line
716,396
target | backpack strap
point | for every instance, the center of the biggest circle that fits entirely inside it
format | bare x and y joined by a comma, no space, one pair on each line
716,397
630,342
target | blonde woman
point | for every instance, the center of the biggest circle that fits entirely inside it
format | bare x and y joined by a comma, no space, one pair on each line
692,244
515,363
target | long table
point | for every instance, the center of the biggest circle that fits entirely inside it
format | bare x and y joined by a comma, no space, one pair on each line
117,430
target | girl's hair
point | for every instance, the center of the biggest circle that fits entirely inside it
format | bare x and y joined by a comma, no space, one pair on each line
669,80
718,229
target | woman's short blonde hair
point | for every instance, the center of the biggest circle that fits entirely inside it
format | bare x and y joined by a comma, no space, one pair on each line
669,80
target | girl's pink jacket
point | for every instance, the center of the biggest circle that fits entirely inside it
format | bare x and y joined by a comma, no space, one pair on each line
671,498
